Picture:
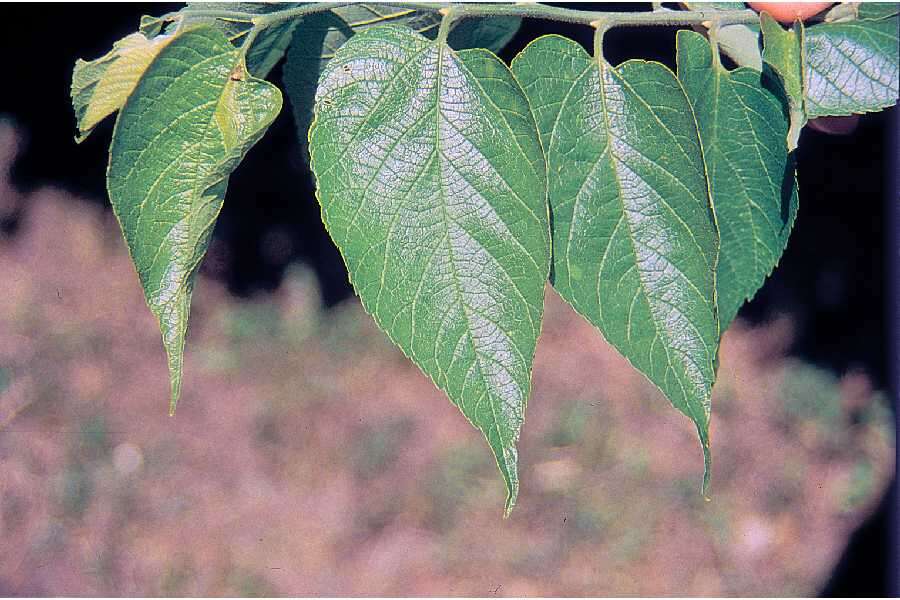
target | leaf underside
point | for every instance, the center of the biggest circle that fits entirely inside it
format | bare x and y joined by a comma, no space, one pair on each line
634,239
192,117
751,177
432,184
835,69
852,67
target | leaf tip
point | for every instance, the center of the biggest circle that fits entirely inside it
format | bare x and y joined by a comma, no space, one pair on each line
175,374
512,493
173,402
707,468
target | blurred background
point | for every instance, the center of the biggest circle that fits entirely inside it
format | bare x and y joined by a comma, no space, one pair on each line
309,457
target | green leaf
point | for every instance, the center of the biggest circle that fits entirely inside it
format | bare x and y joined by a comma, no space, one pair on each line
783,55
100,87
269,47
191,118
432,184
878,10
634,237
751,177
492,33
852,66
321,34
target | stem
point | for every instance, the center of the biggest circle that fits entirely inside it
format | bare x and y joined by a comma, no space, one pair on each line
448,14
273,18
600,29
587,17
714,42
667,18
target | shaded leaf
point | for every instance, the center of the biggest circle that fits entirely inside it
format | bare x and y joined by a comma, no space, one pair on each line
432,185
634,237
152,26
751,177
492,33
191,118
783,54
270,44
878,10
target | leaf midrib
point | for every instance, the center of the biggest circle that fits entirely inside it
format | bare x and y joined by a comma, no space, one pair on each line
642,283
455,275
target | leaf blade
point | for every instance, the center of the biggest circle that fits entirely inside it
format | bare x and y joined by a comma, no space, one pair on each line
852,67
321,34
191,118
752,182
437,200
634,240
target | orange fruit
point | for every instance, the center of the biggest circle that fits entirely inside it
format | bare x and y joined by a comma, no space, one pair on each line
788,12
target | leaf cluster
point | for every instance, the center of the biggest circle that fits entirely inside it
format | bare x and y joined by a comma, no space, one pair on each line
455,186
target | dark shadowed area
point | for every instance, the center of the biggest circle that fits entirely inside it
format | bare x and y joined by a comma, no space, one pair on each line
309,457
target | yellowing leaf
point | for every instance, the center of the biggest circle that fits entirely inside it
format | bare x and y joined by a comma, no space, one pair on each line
100,87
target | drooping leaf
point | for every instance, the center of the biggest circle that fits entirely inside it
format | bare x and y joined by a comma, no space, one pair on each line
100,87
751,177
783,55
852,67
190,120
321,34
634,237
432,184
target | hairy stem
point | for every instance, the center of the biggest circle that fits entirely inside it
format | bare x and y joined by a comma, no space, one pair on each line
670,18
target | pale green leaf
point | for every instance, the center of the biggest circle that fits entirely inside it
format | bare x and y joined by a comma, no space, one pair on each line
783,55
190,120
751,176
878,10
738,41
100,87
634,238
432,184
152,26
852,67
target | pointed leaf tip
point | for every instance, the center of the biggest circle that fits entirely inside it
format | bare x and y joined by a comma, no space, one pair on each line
177,139
436,198
634,238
